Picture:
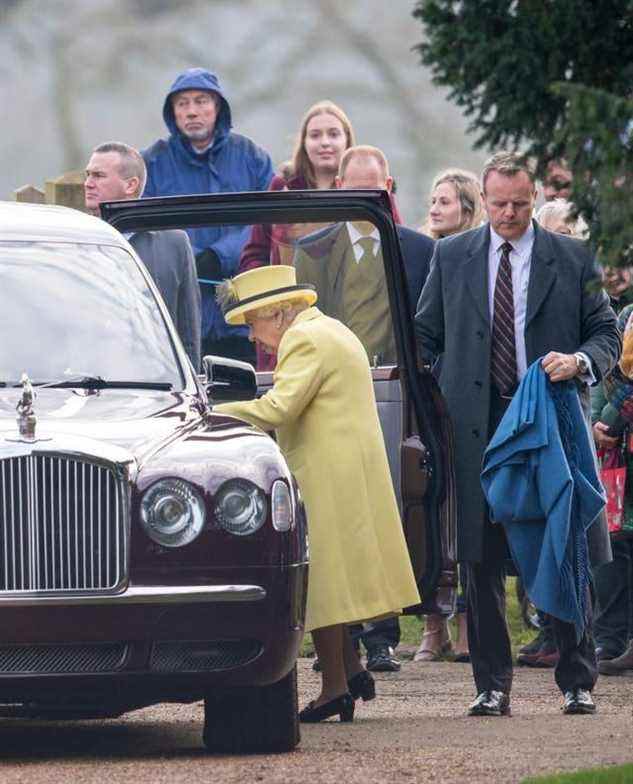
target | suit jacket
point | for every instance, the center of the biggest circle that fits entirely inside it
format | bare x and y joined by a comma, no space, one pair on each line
567,311
417,251
169,260
322,405
324,259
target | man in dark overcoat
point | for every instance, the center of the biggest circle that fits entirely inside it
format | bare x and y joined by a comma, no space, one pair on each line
498,298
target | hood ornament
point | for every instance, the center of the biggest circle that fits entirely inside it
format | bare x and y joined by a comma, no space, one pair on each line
26,418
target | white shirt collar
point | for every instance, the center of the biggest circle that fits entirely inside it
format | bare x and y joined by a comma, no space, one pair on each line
355,235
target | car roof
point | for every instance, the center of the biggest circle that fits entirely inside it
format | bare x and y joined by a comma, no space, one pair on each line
48,222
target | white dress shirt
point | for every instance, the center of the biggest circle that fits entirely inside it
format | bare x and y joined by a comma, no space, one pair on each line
520,261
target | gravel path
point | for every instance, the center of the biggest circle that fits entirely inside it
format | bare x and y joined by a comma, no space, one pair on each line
415,731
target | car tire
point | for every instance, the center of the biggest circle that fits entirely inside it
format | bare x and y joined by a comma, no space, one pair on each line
255,719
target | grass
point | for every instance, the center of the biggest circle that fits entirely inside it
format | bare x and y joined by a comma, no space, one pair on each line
411,626
621,774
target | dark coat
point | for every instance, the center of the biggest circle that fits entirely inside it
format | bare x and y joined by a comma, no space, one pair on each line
567,311
417,252
169,260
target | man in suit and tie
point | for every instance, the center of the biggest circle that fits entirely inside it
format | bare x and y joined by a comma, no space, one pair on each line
117,171
498,298
344,261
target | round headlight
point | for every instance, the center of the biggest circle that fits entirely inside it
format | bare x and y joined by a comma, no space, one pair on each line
172,512
240,507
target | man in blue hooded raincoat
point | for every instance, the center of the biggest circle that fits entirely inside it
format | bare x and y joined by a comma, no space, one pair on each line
203,155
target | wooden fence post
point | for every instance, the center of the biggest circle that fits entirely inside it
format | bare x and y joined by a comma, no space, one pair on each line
29,194
68,190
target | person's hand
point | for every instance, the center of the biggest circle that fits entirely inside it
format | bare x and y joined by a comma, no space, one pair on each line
603,441
560,367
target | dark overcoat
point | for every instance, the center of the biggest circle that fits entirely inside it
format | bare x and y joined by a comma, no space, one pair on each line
567,311
169,260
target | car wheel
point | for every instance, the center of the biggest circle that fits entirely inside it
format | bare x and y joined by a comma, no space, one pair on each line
259,718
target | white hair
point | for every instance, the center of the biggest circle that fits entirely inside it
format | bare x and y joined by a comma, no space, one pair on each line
561,210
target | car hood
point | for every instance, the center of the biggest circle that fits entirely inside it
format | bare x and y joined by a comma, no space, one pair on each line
135,420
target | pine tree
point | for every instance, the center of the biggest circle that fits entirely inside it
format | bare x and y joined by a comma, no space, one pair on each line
553,78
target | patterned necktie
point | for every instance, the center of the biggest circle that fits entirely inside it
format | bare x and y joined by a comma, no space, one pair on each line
503,358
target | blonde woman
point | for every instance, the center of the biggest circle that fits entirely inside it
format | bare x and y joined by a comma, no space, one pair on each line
322,404
454,204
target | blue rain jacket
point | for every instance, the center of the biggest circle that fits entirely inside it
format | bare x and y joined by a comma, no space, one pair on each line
541,482
232,163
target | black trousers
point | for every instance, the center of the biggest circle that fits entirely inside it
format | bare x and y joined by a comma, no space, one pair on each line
382,634
488,635
613,622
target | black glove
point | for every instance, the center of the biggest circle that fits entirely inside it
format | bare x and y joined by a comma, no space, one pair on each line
208,265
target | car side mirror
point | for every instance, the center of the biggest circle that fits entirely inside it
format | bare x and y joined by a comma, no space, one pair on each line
228,379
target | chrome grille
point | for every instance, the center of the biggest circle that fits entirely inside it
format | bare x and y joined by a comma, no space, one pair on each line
62,525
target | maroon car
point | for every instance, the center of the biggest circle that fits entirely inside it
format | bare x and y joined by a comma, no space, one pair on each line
151,550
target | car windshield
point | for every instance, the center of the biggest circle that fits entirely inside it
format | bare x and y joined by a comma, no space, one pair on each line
68,309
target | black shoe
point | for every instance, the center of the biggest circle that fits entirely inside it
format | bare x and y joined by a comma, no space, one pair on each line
362,685
381,659
541,652
578,701
343,705
490,703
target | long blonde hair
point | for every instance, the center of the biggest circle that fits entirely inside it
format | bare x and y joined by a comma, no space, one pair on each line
299,165
468,193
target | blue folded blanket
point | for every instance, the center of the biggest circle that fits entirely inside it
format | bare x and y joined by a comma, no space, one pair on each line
541,482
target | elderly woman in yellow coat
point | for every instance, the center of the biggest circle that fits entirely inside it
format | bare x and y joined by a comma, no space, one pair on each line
323,410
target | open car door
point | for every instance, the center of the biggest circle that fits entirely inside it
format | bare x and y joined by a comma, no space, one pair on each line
364,285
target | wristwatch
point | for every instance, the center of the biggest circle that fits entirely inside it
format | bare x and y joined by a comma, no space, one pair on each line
582,366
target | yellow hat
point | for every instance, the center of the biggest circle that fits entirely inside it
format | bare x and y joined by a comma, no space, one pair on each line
264,286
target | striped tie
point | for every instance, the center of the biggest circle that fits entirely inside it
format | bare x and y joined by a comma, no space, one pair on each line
503,358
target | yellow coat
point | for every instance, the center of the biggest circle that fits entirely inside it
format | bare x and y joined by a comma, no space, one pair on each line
323,409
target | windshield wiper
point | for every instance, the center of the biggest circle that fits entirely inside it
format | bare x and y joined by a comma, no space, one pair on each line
97,382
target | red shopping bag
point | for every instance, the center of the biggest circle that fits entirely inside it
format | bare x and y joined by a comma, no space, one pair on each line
613,475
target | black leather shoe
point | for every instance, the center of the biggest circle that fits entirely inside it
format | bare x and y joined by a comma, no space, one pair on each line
362,685
578,701
490,703
381,659
343,705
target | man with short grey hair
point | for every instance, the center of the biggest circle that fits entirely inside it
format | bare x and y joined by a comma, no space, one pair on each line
497,299
117,171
